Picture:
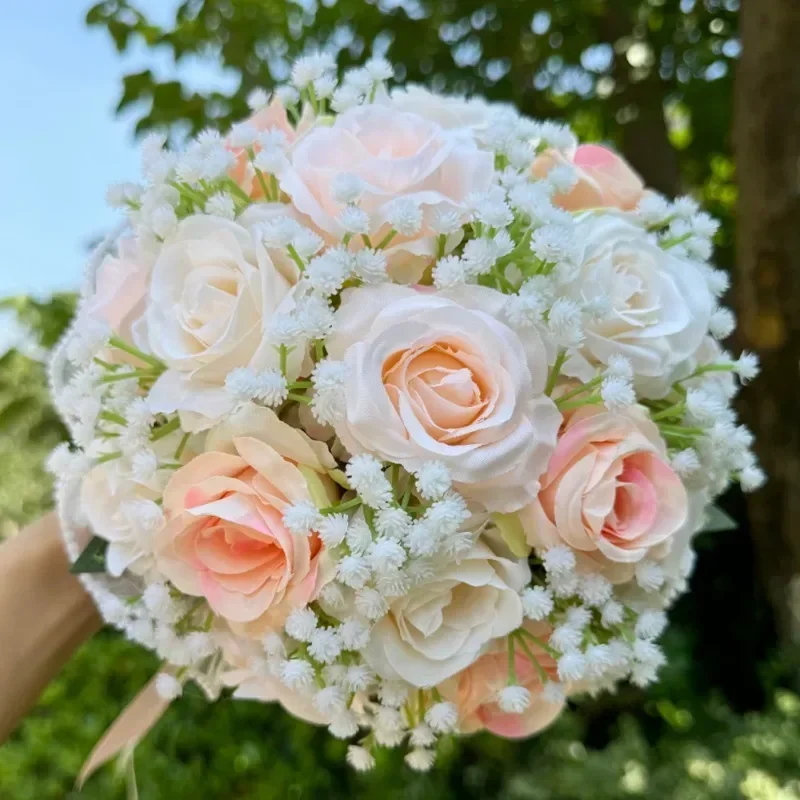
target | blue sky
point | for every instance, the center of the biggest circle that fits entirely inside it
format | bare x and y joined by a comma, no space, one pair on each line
60,142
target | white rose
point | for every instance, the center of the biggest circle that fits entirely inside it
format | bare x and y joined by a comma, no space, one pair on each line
442,626
212,295
397,157
438,377
450,111
660,304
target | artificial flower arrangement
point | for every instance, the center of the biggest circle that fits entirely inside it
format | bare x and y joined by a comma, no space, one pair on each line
397,409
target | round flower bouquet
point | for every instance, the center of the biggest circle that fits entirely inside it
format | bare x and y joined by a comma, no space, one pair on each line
397,409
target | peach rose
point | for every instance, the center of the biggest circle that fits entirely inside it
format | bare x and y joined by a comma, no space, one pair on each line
120,287
608,493
225,539
271,117
212,294
604,179
474,690
438,376
397,156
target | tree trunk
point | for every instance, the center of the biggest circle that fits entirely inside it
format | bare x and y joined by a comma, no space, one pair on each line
767,285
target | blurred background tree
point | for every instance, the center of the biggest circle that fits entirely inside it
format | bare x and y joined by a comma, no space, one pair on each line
656,79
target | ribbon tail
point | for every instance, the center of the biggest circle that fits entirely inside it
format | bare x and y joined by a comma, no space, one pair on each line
127,730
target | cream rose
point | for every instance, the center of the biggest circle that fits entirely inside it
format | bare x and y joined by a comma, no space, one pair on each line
603,179
225,540
450,111
660,305
441,626
213,292
437,376
397,156
608,493
248,684
474,690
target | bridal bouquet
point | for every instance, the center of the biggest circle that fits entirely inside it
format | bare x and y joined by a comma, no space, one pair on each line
397,409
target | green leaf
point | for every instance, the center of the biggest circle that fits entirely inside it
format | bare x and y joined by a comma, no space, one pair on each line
513,533
92,559
717,521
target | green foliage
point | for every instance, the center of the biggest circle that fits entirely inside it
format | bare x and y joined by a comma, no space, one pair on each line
29,427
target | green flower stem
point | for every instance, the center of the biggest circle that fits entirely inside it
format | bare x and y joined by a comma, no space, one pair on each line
366,240
262,183
105,364
543,676
108,457
355,502
666,244
111,416
182,446
166,429
441,243
673,411
237,190
681,430
121,344
299,398
542,645
708,368
139,374
555,371
386,239
580,390
586,401
295,256
190,194
319,349
512,667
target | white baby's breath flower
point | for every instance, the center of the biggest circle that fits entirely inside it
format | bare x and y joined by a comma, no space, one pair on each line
442,717
572,666
449,272
354,220
559,560
513,699
301,624
404,215
353,571
347,188
302,517
649,575
354,634
359,758
332,529
537,603
420,759
325,645
433,480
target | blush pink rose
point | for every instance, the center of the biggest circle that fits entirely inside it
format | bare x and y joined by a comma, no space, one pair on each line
120,288
604,179
396,155
608,493
474,690
440,377
225,539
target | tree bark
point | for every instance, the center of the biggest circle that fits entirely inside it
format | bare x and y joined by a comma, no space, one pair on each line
767,285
